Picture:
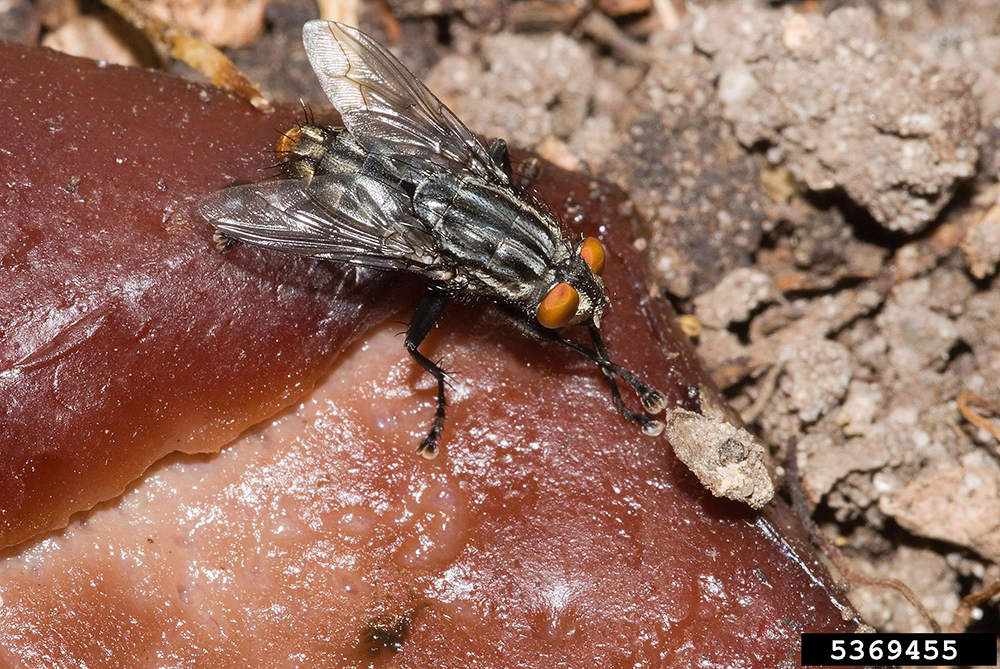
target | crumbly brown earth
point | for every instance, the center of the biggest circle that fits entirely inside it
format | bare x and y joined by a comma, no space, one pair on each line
820,180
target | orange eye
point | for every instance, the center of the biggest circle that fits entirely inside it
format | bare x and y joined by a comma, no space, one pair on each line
289,140
559,306
592,253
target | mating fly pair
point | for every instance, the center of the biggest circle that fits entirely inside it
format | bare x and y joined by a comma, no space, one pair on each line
406,186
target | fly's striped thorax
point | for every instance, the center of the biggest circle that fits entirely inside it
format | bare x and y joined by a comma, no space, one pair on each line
503,245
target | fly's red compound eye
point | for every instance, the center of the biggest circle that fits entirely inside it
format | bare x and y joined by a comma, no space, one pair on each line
559,306
289,140
592,253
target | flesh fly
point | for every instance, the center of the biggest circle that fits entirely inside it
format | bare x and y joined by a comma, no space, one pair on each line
405,186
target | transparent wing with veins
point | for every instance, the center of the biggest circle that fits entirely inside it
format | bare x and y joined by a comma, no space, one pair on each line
334,217
387,109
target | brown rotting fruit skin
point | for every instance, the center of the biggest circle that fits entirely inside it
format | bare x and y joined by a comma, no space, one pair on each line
129,336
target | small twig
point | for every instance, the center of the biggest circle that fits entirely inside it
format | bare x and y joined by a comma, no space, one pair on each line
965,403
603,30
196,53
971,602
767,388
801,507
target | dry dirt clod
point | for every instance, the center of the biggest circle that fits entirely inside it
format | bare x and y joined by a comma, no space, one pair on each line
506,95
729,461
846,107
959,503
735,297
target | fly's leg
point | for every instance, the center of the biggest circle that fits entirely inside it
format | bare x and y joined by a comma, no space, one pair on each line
430,308
500,155
649,425
653,400
221,242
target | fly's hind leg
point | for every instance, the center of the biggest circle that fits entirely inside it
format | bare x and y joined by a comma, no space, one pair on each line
430,308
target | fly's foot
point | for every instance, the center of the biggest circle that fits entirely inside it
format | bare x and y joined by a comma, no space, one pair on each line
653,401
652,427
428,447
221,242
649,426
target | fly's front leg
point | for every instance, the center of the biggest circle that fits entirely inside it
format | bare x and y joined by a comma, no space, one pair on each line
430,308
650,426
653,400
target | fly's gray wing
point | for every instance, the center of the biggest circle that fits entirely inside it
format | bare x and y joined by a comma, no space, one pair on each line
333,218
386,107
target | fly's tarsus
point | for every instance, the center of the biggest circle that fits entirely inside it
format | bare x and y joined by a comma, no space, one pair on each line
221,242
653,401
616,396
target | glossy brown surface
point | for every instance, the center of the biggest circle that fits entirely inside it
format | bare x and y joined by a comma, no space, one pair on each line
124,336
549,532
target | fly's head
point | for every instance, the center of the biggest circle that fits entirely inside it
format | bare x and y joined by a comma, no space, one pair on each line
579,295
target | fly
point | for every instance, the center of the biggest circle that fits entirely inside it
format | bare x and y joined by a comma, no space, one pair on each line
406,186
